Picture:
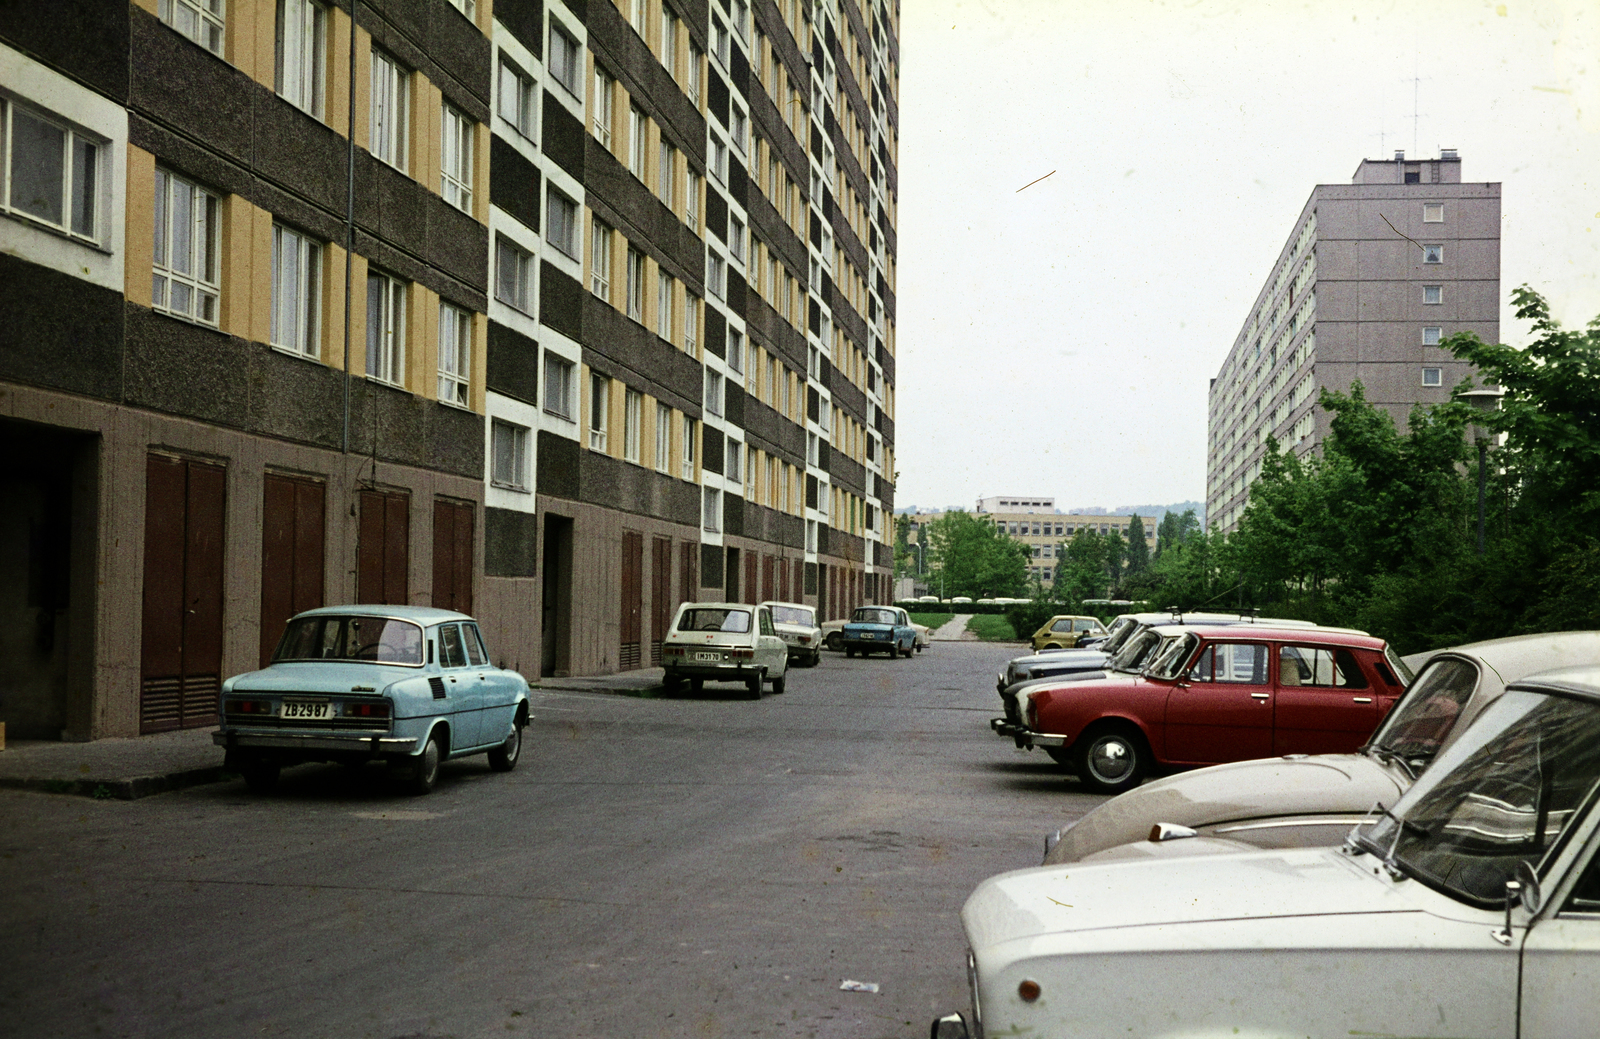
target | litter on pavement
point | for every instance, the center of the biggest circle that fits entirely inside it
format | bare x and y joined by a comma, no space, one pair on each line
858,986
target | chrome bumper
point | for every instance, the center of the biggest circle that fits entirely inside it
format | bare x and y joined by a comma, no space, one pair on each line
1026,738
316,741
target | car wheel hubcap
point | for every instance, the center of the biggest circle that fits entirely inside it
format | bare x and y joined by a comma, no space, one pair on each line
1111,759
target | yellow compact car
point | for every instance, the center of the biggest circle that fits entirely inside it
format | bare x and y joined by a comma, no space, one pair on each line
1064,630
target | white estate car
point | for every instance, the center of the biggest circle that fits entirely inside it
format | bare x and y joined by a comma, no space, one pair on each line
1301,800
796,625
1469,908
724,642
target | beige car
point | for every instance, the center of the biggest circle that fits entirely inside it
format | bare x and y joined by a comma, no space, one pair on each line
1064,630
724,642
796,625
1308,801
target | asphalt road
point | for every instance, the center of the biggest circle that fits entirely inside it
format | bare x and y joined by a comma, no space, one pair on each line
705,866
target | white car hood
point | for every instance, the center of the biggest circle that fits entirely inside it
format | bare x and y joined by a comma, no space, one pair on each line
1047,903
1263,788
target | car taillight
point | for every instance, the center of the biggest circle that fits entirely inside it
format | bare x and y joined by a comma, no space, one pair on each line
804,639
1031,713
366,710
741,654
248,707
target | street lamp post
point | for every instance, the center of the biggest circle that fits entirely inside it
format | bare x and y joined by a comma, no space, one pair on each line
1485,400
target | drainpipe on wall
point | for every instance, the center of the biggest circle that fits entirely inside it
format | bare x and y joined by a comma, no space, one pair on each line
349,221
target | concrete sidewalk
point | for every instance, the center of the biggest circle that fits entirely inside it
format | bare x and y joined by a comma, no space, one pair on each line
954,630
139,766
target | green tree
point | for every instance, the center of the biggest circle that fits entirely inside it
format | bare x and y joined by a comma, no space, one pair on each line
1081,569
1138,548
1175,528
903,564
1116,557
972,557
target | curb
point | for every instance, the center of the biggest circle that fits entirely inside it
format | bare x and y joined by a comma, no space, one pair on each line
126,789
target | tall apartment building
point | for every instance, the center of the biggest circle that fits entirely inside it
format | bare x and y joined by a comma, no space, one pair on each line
558,313
1374,276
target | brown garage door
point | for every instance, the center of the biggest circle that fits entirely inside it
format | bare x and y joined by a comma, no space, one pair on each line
452,555
383,552
292,528
180,660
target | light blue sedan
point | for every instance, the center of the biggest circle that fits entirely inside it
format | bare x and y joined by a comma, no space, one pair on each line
411,686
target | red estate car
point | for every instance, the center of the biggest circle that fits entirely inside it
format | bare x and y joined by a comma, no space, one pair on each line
1219,694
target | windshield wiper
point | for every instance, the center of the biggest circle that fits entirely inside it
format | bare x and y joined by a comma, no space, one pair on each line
1402,826
1387,756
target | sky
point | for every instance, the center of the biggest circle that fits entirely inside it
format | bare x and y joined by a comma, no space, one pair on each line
1059,340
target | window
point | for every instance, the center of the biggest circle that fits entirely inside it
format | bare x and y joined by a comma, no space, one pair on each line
301,56
711,509
296,263
1244,663
600,106
736,238
735,350
632,423
636,14
1430,335
1433,376
636,285
691,324
513,275
599,404
719,160
713,393
669,42
455,354
696,58
185,263
1433,212
663,304
51,172
691,202
518,99
389,92
738,127
663,437
773,368
456,159
508,451
466,7
732,454
638,142
716,275
386,311
564,58
561,219
1318,666
200,20
667,174
600,260
720,45
557,386
741,17
688,448
1433,254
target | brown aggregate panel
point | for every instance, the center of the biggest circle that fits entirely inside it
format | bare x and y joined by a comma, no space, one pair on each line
846,472
774,333
86,39
733,517
524,20
514,183
774,434
621,348
634,212
628,488
510,543
562,137
557,469
770,527
512,363
845,235
767,222
846,316
59,331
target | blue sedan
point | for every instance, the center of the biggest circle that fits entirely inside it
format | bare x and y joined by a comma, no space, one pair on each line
879,629
410,686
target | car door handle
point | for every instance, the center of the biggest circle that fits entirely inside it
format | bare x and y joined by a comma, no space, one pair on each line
1361,699
1260,696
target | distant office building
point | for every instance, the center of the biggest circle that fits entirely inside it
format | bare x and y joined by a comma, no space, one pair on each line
1042,533
1373,277
1013,503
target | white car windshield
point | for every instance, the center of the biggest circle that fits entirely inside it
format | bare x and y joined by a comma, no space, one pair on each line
793,615
702,619
382,640
1427,713
1503,794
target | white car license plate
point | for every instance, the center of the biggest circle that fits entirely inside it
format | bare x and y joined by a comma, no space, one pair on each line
708,657
307,711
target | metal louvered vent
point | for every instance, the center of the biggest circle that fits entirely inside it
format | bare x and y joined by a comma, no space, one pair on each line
437,685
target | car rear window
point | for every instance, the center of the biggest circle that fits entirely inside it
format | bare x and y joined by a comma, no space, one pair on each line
874,617
701,619
382,640
792,615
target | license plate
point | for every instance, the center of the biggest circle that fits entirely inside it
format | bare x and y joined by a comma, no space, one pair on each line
872,635
709,658
307,711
